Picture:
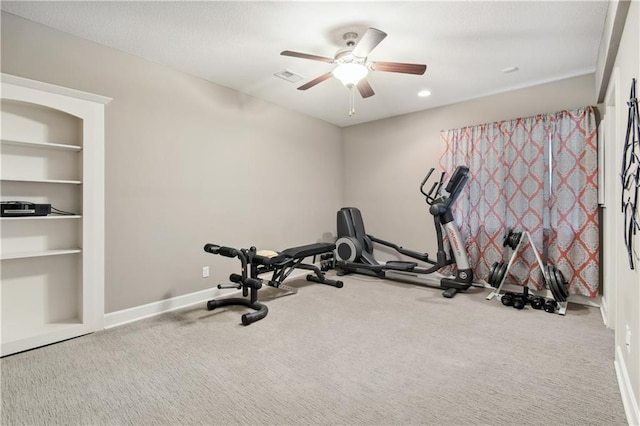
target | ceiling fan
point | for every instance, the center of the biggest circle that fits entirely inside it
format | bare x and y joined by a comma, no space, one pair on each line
352,66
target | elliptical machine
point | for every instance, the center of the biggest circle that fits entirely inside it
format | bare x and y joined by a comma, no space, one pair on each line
354,247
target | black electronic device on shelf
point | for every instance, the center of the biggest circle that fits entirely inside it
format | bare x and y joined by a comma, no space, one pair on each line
23,208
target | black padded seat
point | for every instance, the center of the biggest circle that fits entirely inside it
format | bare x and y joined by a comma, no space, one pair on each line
294,253
308,250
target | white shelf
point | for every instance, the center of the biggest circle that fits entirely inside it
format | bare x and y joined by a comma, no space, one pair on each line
61,216
39,253
48,145
52,152
72,182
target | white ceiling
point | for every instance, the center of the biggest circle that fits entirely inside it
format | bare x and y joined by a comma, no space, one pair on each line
465,44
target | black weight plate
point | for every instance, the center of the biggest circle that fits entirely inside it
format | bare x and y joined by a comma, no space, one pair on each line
562,284
501,273
498,275
492,273
554,274
512,239
555,278
518,238
553,285
552,271
505,242
550,285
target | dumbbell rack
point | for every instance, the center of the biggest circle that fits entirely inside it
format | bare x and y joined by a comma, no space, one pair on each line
496,294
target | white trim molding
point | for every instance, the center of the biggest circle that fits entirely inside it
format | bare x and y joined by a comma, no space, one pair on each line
125,316
626,390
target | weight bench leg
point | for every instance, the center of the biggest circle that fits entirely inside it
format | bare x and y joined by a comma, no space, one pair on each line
325,280
319,276
261,310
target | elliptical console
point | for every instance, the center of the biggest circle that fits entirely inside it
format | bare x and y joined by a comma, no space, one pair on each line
354,247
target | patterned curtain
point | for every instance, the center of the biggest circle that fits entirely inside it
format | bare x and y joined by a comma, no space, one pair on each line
535,174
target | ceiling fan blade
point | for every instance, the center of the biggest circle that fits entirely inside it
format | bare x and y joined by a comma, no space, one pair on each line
306,56
315,81
398,67
368,42
365,88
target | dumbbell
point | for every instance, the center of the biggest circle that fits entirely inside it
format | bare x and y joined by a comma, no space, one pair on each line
538,302
549,305
507,298
517,300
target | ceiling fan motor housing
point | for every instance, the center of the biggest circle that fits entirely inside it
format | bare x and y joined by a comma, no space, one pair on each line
350,38
345,56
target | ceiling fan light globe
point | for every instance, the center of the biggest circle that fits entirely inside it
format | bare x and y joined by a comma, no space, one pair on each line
350,74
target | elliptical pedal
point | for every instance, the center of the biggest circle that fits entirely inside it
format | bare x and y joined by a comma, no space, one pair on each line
399,265
450,292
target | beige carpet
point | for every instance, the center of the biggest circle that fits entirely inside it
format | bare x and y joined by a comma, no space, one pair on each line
371,353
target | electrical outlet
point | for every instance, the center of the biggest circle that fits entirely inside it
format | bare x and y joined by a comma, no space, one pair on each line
205,271
627,338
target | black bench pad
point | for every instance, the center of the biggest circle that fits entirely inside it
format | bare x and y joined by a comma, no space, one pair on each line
308,250
294,253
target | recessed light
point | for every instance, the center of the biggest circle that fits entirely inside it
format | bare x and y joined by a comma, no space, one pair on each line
510,69
424,93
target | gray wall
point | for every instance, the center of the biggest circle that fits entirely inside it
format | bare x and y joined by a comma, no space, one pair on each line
386,160
187,162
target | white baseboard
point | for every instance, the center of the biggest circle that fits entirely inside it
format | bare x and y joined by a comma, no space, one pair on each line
626,390
136,313
595,302
125,316
604,313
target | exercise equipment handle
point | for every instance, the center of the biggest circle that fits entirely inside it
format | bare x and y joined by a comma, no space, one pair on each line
433,192
262,260
222,251
253,283
424,181
225,286
211,248
457,182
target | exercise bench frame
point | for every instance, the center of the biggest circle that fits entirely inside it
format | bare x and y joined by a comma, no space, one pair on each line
254,265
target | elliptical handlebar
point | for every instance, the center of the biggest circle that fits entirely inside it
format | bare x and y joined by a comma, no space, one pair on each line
456,183
454,186
424,181
434,192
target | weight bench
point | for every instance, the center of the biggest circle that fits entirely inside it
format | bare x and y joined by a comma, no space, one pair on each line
253,265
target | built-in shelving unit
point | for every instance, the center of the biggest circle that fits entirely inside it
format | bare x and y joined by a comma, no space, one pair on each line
52,270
